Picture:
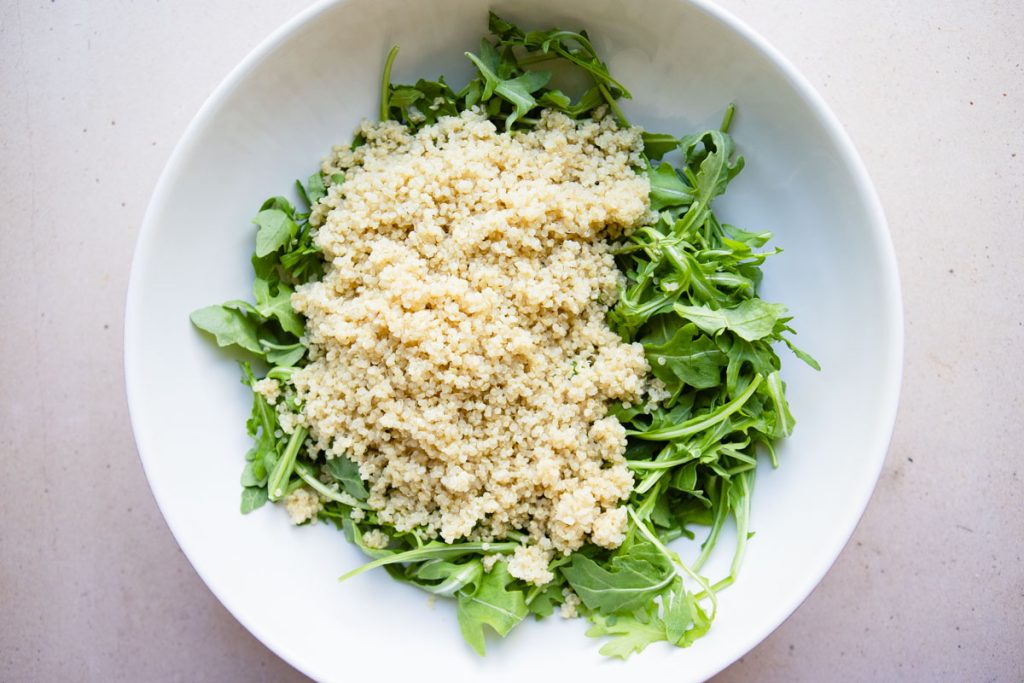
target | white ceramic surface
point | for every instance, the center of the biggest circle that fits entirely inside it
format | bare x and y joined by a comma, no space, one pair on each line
304,89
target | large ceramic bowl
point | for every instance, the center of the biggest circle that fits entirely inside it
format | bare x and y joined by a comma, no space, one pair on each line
304,89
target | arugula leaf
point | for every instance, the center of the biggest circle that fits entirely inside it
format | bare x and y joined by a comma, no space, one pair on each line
717,167
253,497
756,357
346,473
628,581
749,239
751,320
276,229
628,633
229,326
244,307
403,97
450,577
685,478
677,611
492,604
688,358
555,99
277,306
254,473
284,355
488,65
802,355
519,91
279,203
667,189
701,624
544,603
657,145
315,190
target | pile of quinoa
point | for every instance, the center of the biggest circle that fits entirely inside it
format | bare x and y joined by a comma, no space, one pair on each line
459,350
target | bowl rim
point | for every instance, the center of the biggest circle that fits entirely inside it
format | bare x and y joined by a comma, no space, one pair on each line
876,230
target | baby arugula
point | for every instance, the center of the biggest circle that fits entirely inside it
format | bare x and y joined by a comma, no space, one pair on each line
690,299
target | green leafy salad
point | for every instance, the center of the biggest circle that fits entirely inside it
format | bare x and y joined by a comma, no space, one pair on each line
689,297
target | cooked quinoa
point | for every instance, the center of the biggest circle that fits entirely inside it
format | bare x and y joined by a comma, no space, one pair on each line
270,389
375,538
302,505
459,350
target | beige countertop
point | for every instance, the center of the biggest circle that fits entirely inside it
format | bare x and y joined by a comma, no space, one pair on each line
94,97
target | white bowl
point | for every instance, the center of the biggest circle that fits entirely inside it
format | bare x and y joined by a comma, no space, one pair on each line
304,89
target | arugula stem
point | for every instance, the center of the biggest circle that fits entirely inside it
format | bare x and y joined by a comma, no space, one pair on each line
721,512
385,85
720,585
653,480
733,452
307,476
654,477
429,552
742,515
281,374
654,304
727,118
280,347
558,562
536,58
683,227
469,573
613,105
262,410
293,484
658,465
701,422
600,75
674,257
771,453
777,392
278,482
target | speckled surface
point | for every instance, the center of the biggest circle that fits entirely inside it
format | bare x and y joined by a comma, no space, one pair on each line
94,97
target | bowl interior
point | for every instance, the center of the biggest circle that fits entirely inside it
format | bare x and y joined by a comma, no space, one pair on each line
305,89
